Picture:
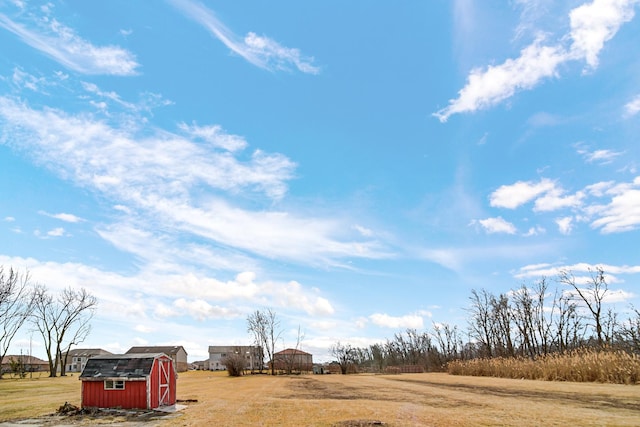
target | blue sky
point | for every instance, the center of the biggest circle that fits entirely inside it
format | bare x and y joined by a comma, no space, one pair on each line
359,167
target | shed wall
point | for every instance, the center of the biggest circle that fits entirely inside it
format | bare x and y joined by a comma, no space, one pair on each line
134,395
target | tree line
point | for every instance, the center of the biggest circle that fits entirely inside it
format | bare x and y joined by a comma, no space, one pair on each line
530,321
62,319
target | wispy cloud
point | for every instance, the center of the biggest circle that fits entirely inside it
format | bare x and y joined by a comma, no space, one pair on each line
259,50
66,217
592,25
214,135
62,44
182,183
601,156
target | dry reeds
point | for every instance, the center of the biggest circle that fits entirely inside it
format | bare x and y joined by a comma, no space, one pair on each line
583,365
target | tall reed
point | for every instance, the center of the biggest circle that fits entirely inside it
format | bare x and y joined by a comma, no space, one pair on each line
582,365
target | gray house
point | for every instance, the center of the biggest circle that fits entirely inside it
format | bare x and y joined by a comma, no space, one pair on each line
252,353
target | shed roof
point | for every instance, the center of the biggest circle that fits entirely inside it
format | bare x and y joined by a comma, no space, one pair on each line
119,366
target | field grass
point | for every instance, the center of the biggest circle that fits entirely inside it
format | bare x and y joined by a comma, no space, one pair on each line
336,400
608,366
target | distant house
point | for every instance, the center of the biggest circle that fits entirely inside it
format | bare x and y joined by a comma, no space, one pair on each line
201,365
293,360
177,353
252,353
27,363
129,381
77,358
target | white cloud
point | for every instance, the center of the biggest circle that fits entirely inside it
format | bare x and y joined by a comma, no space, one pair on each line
21,79
621,214
63,45
180,184
617,295
112,158
618,214
544,119
497,225
555,199
202,310
175,293
66,217
93,88
535,231
56,232
565,225
411,321
261,51
216,136
143,329
512,196
486,88
593,24
601,156
366,232
581,270
632,107
177,181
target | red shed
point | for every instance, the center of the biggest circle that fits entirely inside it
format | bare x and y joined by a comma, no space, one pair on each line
142,381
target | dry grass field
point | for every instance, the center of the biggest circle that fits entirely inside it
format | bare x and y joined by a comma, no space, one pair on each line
336,400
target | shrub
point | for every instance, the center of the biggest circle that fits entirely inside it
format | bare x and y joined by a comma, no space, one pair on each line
235,364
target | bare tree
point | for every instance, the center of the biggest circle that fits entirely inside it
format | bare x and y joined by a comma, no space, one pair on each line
379,356
449,341
533,323
592,296
265,328
629,332
63,321
16,305
344,355
481,321
569,328
291,360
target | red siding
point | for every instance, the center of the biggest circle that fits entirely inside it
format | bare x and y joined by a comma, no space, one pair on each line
155,382
134,395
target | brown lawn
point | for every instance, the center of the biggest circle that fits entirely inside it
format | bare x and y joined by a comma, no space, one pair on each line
336,400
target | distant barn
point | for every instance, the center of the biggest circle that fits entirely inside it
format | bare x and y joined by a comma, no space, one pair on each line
129,381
